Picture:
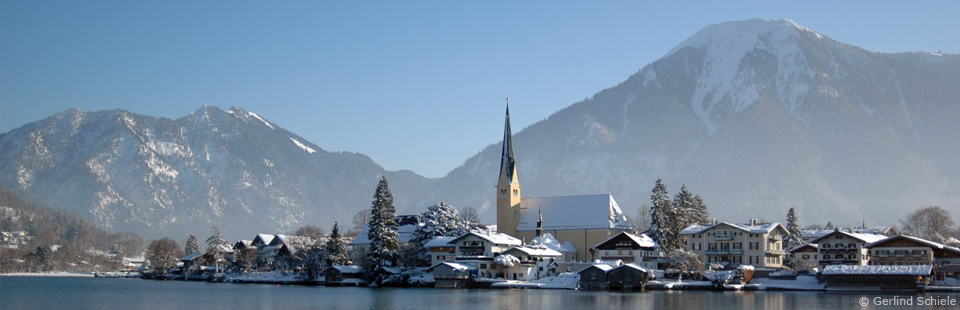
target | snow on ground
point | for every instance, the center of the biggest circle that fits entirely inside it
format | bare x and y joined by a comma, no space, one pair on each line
802,283
309,150
566,280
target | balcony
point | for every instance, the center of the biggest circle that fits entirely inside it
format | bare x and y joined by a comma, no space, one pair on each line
724,252
724,237
776,252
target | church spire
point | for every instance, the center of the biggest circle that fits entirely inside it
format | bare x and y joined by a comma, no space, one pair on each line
508,163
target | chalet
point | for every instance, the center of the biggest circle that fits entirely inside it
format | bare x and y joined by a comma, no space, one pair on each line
805,256
844,248
628,277
856,277
630,248
192,264
344,276
451,275
535,262
755,244
595,277
15,239
902,250
407,225
290,251
479,249
582,220
265,255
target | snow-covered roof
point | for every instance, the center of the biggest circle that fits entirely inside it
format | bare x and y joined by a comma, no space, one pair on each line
552,243
454,266
600,266
191,257
495,238
865,238
264,238
572,213
347,269
924,242
439,242
537,250
569,247
633,266
820,232
758,228
812,246
640,240
407,225
912,270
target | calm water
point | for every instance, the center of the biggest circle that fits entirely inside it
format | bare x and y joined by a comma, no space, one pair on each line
90,293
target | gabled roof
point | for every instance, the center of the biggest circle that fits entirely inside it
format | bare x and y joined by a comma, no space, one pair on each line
813,246
759,228
631,266
264,239
865,238
352,269
407,225
641,240
602,267
876,230
495,238
454,266
439,242
572,213
924,242
191,257
538,251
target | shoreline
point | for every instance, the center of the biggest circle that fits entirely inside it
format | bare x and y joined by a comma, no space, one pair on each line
56,274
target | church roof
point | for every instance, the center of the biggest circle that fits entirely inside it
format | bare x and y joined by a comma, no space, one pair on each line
507,160
572,213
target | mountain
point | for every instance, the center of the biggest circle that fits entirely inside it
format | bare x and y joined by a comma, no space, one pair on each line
756,116
161,177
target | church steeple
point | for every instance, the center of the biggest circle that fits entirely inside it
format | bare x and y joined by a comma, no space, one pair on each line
508,186
508,162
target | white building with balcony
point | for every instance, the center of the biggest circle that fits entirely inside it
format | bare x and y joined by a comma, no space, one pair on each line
732,245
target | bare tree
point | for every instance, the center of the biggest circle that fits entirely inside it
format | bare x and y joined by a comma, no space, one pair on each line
164,253
470,215
932,223
311,231
641,221
359,220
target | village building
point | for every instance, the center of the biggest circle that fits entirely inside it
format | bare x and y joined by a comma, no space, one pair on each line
594,277
629,277
805,257
479,250
407,224
289,251
582,220
263,260
441,250
732,245
876,278
630,248
568,252
15,239
535,262
344,276
451,275
845,248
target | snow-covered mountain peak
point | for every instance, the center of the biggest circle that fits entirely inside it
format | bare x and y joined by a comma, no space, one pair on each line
744,33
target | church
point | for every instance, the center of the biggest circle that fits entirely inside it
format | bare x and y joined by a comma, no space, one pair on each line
583,220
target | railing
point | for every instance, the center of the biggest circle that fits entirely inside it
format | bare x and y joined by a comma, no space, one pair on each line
776,252
724,237
724,252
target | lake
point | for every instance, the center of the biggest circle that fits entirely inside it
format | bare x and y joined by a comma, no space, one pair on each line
92,293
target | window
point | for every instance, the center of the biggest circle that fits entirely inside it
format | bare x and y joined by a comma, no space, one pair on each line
515,193
852,246
593,276
483,266
806,256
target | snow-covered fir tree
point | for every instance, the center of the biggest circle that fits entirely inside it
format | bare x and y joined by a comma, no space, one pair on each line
794,235
216,247
384,247
439,220
192,245
336,248
662,215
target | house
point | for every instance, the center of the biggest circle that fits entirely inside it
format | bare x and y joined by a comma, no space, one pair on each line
451,275
567,250
582,220
595,277
630,248
290,251
805,256
844,248
441,250
535,262
15,239
479,249
755,244
264,255
407,224
876,277
902,250
192,265
629,277
344,276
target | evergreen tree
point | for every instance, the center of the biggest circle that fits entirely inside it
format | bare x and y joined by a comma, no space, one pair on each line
384,247
794,235
216,247
700,215
193,246
441,219
662,215
335,252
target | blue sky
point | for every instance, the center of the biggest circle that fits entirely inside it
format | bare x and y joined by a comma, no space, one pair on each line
414,85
